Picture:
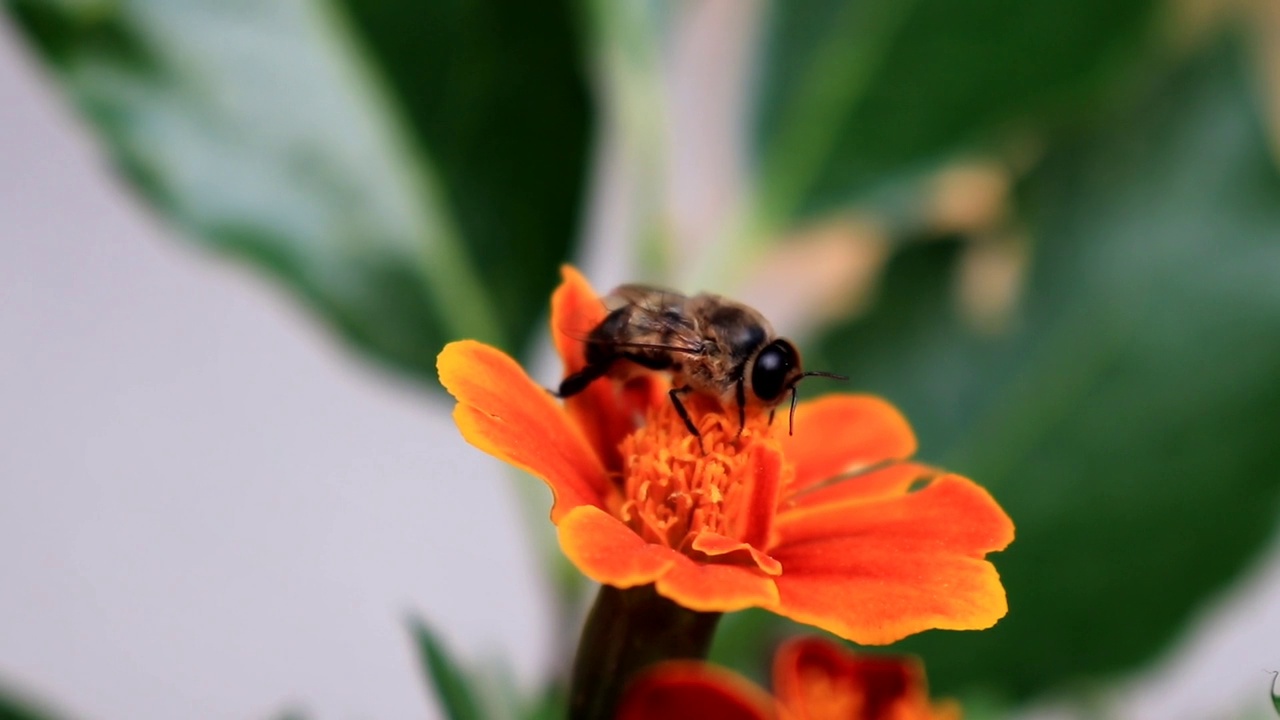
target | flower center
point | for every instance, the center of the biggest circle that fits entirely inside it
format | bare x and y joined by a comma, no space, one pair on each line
830,698
673,488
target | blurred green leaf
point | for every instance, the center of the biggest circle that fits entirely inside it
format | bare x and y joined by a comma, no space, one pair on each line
858,94
745,642
498,95
452,689
486,690
14,706
260,129
553,704
1128,423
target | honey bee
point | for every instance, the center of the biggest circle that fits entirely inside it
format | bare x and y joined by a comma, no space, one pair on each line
709,345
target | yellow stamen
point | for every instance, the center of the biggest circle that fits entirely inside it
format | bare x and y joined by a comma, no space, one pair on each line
672,489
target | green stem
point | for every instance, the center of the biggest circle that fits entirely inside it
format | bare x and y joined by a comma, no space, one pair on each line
627,631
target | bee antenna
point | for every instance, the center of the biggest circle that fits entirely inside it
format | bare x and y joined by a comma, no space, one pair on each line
791,420
820,373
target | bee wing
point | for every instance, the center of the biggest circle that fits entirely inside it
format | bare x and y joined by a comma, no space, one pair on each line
645,296
659,319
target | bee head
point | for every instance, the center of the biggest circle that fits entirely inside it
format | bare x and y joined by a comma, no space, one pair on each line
775,370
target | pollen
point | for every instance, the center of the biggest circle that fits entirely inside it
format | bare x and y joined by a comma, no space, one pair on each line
674,487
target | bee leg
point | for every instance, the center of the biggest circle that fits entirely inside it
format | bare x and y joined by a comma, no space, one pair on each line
772,412
742,405
579,381
675,394
791,421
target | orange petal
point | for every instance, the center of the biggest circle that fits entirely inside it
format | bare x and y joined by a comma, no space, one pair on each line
814,677
611,553
690,690
764,486
838,432
864,486
951,513
883,600
720,547
576,310
713,587
504,413
605,412
877,572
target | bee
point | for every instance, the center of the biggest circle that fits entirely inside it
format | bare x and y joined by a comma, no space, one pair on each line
707,343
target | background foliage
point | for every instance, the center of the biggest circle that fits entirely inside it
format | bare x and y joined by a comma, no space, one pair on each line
416,173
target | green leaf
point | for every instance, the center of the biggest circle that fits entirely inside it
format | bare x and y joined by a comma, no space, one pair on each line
452,689
262,130
552,704
497,94
745,642
857,94
1128,424
14,706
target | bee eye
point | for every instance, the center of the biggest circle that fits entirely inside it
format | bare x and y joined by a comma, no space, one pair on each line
772,367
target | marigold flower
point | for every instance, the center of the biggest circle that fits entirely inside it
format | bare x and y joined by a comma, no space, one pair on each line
694,690
755,517
813,679
816,679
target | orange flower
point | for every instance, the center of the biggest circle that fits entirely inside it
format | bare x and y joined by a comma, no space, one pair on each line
814,679
758,519
694,690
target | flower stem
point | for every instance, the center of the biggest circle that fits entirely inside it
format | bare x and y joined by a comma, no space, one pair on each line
626,631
